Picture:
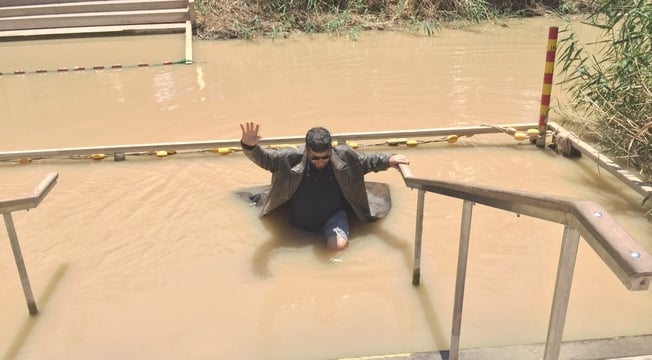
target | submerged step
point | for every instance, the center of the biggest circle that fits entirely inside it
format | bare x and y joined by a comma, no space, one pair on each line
623,347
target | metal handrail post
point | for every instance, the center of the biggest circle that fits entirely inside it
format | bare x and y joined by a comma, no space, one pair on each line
462,257
416,267
20,263
563,283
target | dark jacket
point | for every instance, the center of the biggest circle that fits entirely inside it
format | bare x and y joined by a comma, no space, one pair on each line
287,166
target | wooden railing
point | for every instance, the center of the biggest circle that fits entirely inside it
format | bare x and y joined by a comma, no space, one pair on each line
615,246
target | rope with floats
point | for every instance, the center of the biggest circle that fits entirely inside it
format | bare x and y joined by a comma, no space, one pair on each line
120,153
94,67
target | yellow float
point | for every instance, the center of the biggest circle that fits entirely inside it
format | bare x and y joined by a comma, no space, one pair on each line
352,144
533,132
279,146
520,136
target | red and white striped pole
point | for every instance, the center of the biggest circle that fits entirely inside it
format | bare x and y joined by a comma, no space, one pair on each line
551,49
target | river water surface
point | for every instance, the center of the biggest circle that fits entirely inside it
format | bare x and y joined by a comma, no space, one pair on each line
157,258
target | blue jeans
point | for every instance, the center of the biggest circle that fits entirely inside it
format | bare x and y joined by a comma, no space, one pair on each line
340,221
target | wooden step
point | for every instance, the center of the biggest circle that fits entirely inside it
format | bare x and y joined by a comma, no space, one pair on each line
28,19
36,2
89,6
95,19
8,3
114,29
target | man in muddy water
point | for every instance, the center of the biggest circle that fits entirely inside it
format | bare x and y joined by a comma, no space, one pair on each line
321,182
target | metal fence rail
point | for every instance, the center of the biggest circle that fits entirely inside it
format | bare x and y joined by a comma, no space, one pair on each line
299,139
615,246
29,202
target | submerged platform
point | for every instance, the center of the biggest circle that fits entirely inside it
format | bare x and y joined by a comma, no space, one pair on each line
616,348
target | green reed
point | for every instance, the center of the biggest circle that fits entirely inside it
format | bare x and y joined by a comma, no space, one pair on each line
610,81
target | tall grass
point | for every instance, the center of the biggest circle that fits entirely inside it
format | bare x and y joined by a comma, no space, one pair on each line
221,19
610,81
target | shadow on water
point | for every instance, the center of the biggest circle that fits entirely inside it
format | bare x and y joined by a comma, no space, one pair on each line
421,290
30,322
282,235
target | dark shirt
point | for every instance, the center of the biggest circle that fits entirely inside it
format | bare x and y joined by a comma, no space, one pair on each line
318,197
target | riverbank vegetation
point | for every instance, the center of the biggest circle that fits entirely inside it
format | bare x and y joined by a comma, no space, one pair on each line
247,19
610,82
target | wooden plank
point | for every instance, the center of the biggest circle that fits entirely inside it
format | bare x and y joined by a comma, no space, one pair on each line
145,28
91,6
33,199
35,2
95,19
628,178
7,3
617,248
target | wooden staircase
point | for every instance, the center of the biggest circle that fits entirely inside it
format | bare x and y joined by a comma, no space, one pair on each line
29,19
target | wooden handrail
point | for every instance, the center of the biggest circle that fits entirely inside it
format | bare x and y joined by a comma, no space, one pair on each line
30,201
33,199
615,246
618,249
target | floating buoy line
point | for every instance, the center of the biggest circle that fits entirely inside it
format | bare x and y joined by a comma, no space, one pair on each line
94,67
524,134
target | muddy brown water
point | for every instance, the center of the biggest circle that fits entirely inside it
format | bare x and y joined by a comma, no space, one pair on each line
156,258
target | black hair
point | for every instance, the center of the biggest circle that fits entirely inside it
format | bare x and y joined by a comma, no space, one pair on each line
318,139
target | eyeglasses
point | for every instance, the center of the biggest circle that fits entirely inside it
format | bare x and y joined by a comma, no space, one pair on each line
316,158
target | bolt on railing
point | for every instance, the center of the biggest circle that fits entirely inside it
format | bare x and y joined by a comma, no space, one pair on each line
615,246
26,203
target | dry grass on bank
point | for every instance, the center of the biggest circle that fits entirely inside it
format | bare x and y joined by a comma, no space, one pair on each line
246,19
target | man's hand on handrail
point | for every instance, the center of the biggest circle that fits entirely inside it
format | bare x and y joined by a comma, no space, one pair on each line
405,170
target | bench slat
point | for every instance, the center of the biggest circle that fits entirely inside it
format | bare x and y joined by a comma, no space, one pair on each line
91,6
172,27
95,19
8,3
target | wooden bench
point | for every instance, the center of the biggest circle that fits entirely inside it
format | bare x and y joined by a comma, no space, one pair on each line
24,19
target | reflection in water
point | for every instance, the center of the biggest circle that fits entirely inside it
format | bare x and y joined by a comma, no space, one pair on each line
112,79
165,262
164,87
200,78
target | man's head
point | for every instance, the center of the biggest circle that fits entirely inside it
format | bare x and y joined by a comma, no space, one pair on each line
318,146
318,139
